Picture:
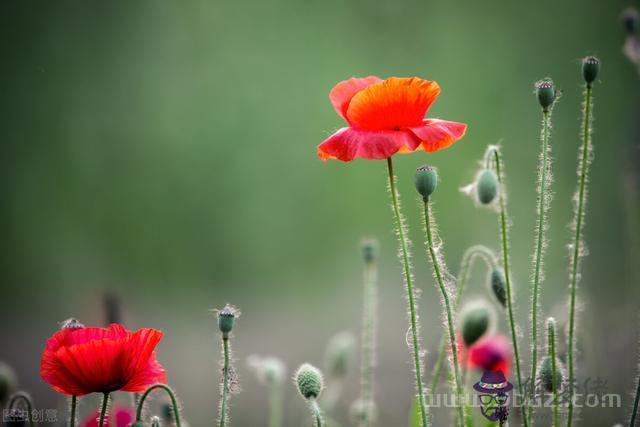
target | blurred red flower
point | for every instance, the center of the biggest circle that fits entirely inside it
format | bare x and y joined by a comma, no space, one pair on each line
491,353
386,117
78,361
122,416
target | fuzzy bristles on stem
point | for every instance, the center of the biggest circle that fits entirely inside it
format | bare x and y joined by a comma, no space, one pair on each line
229,384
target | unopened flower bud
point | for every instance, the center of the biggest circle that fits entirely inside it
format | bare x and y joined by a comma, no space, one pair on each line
545,375
631,20
309,381
426,181
71,323
226,319
340,354
590,69
546,94
487,186
369,250
499,285
476,320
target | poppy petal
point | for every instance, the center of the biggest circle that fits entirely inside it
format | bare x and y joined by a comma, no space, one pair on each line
343,92
436,134
350,143
392,104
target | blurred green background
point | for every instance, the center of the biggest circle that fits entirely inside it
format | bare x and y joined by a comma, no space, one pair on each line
166,151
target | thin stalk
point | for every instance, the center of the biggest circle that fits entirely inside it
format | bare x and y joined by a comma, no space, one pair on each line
368,339
474,252
27,402
315,409
554,373
505,259
636,401
72,414
404,249
225,382
172,396
103,411
438,270
577,240
541,227
275,402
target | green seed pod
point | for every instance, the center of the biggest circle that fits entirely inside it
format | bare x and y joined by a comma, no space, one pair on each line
499,285
545,375
590,69
546,94
309,381
8,382
226,319
426,181
631,20
487,186
476,320
369,250
340,354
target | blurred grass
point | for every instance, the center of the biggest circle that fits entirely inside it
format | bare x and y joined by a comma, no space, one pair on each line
167,150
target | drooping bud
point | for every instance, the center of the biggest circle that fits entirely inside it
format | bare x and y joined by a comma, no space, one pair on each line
340,354
498,284
426,181
546,92
487,186
476,321
71,323
8,382
631,20
309,381
545,376
226,319
590,69
369,250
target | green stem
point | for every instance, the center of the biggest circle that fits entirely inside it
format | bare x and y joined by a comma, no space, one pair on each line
315,409
368,339
415,342
72,416
539,245
477,251
636,401
575,257
103,411
225,382
505,259
435,262
26,399
275,413
172,396
554,373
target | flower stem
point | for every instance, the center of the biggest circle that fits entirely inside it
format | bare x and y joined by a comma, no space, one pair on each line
577,242
275,401
438,270
404,249
27,402
103,411
477,251
315,409
172,396
368,339
636,401
225,381
505,259
541,227
551,331
72,415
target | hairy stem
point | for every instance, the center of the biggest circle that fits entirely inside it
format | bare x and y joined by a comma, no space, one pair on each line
438,270
368,339
315,410
404,249
172,396
103,411
275,403
225,382
577,242
24,397
541,227
636,401
551,338
495,152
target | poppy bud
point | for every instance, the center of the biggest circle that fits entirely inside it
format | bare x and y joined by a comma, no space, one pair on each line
590,69
309,381
226,319
167,411
631,19
7,382
499,285
487,186
545,376
476,320
369,250
546,94
71,323
340,354
426,181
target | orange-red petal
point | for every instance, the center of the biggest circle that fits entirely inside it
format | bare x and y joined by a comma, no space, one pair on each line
436,134
350,143
343,92
393,104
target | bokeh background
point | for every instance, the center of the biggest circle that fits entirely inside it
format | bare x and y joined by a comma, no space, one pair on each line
165,151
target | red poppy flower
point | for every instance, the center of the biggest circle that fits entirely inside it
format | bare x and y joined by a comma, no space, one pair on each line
78,361
122,417
490,354
387,117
